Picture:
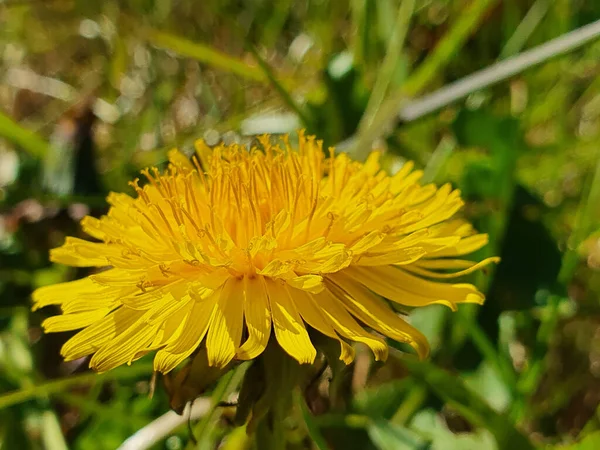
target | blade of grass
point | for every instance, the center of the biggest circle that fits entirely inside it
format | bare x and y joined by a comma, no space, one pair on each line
501,365
449,45
52,435
443,53
52,387
411,404
408,111
225,387
205,54
438,159
587,216
275,23
311,426
359,13
281,90
499,71
25,139
102,411
452,390
526,28
390,63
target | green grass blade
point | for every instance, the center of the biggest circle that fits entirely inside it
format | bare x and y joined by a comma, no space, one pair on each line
425,73
25,139
52,387
448,47
205,54
281,90
500,364
52,435
390,62
588,217
528,25
452,390
225,387
100,410
311,426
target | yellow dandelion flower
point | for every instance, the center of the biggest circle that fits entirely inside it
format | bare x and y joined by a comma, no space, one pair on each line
242,244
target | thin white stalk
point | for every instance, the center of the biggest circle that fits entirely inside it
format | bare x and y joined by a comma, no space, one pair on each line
500,71
161,427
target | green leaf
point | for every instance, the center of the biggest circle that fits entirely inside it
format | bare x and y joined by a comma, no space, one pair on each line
387,436
453,391
429,423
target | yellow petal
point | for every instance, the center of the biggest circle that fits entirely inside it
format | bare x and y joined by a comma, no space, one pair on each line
93,227
367,242
124,348
68,322
258,319
102,298
179,160
369,309
309,283
64,292
345,325
172,327
400,256
312,315
289,328
463,247
399,182
135,341
422,267
399,286
191,336
95,336
119,277
226,324
79,253
146,300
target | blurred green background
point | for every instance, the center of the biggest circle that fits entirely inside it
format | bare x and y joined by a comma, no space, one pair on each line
91,92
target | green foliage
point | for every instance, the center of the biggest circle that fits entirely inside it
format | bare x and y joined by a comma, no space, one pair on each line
93,91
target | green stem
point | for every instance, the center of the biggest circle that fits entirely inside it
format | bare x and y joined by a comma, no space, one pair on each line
282,374
52,387
270,434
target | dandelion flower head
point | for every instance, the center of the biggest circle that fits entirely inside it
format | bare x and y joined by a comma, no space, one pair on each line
239,245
